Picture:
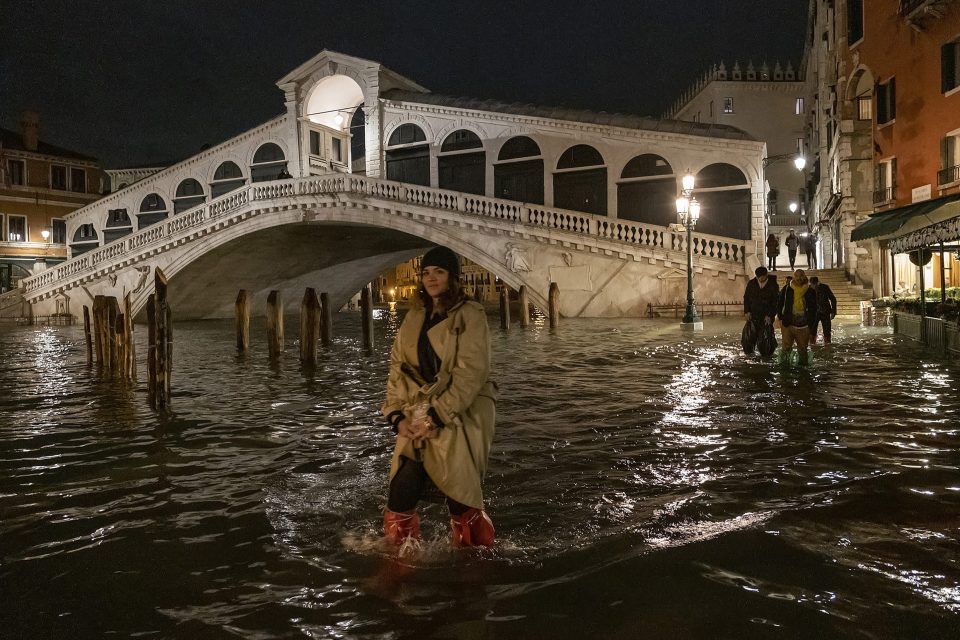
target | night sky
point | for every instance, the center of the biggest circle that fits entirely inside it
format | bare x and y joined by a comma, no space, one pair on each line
139,81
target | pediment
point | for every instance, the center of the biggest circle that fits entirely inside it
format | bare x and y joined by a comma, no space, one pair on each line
333,62
671,274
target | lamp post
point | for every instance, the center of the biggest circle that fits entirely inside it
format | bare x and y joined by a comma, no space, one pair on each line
688,209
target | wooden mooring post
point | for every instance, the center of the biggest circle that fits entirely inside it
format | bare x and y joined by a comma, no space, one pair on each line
326,320
504,307
98,305
366,310
243,322
86,334
309,326
524,307
554,301
275,324
160,353
131,349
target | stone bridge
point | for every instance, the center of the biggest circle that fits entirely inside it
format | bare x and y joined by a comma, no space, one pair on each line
336,232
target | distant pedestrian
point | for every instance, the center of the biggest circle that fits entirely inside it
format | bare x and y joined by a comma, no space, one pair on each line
810,248
759,306
797,310
792,243
826,309
773,250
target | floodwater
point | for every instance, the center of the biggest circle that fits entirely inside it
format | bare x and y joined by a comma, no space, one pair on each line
644,484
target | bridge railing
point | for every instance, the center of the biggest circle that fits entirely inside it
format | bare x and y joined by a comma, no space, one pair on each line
586,224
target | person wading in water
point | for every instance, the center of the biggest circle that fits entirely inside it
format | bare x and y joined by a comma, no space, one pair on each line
441,404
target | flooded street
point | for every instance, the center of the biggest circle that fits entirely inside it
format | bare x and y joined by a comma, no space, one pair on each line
644,483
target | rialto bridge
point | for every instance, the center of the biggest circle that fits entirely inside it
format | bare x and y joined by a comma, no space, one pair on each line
366,169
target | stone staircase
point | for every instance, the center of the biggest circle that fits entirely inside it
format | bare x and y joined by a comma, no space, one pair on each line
848,295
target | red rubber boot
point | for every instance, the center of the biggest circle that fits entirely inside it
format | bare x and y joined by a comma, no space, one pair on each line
473,528
397,527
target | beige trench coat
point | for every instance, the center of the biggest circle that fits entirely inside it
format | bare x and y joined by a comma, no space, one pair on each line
463,396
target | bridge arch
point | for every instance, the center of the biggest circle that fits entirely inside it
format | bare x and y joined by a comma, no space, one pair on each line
725,200
190,193
518,172
268,161
647,190
456,238
152,209
580,180
462,162
227,177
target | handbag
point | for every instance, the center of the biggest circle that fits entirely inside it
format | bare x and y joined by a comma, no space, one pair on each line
748,337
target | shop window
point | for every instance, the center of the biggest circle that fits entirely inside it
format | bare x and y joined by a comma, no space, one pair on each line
269,163
518,174
580,182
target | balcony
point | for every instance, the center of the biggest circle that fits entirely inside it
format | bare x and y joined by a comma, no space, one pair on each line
884,196
948,175
919,13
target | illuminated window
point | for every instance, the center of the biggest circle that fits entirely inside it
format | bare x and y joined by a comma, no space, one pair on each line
798,107
16,228
865,108
728,105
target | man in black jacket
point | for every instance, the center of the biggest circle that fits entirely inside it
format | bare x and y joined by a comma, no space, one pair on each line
826,309
760,304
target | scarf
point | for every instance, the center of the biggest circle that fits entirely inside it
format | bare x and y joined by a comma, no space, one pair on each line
799,291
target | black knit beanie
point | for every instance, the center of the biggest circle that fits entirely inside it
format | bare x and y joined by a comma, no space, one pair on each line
443,258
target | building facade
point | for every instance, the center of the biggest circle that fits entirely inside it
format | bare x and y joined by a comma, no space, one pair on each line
770,105
884,82
39,185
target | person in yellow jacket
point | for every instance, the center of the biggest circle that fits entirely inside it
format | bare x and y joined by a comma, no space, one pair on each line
441,404
797,311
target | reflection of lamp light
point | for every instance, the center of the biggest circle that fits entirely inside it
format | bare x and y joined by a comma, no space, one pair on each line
688,209
793,207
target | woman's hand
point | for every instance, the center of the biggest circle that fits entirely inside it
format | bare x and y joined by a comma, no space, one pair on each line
407,429
423,429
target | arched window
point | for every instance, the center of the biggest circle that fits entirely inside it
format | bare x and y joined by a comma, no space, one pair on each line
461,163
269,163
189,195
647,191
84,239
118,225
153,209
580,181
518,173
227,178
408,155
724,195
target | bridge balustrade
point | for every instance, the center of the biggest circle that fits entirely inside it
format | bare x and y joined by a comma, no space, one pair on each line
629,233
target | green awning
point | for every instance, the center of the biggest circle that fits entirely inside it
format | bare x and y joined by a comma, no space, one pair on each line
887,224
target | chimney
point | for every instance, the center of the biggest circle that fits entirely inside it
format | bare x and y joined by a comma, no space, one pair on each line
30,130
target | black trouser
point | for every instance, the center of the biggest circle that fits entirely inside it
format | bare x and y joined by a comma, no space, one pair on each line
824,319
772,262
408,485
792,254
811,260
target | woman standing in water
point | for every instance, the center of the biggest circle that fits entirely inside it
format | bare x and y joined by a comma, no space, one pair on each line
441,404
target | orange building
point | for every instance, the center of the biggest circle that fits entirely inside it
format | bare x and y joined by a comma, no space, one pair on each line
39,185
904,57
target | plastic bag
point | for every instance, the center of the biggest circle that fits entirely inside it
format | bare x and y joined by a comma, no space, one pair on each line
766,341
748,339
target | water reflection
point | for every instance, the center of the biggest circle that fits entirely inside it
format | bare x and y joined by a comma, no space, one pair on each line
626,452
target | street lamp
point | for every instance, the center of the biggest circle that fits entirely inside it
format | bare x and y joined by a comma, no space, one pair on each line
793,207
46,234
688,209
798,160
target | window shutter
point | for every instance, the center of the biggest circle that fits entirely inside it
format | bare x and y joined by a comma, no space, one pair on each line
893,173
880,93
892,98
